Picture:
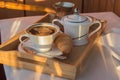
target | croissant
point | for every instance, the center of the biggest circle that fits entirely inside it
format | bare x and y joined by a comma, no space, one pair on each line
64,43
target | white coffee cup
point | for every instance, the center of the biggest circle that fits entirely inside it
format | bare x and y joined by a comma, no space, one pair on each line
41,43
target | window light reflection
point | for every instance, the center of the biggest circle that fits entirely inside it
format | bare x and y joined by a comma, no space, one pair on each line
80,30
108,38
39,68
58,68
100,46
18,6
34,0
52,76
39,0
15,27
21,0
108,41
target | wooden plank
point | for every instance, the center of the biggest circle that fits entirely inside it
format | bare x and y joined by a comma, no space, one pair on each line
98,5
78,4
110,5
102,5
90,5
8,13
2,13
95,6
117,7
85,6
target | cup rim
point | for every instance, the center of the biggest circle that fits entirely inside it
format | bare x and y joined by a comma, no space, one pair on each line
65,4
42,24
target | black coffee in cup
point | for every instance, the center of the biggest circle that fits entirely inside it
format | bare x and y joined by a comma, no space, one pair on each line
41,30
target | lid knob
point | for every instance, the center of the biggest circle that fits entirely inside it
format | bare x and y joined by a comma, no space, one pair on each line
76,17
76,11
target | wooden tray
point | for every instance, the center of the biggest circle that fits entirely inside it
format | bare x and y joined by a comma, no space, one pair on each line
63,68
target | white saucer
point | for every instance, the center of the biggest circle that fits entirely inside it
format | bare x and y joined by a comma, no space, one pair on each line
54,52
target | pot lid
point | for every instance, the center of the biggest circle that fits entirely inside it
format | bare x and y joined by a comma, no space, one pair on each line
76,18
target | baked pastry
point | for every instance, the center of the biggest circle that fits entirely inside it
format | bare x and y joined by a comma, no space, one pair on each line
64,43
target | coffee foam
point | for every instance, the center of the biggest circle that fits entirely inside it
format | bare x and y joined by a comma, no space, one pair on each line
41,30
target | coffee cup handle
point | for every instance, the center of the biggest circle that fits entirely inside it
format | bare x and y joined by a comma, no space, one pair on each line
57,20
23,36
99,27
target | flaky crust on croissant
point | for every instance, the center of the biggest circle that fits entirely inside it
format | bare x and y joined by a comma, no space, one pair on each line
64,43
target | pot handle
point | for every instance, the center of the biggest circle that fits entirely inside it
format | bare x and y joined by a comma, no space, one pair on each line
98,28
60,25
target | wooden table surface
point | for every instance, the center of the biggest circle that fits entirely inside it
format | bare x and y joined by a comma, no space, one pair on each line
99,67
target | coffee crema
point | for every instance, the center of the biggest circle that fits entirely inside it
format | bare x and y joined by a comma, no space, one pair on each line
41,30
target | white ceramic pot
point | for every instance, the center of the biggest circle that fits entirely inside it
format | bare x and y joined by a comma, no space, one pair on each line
77,27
